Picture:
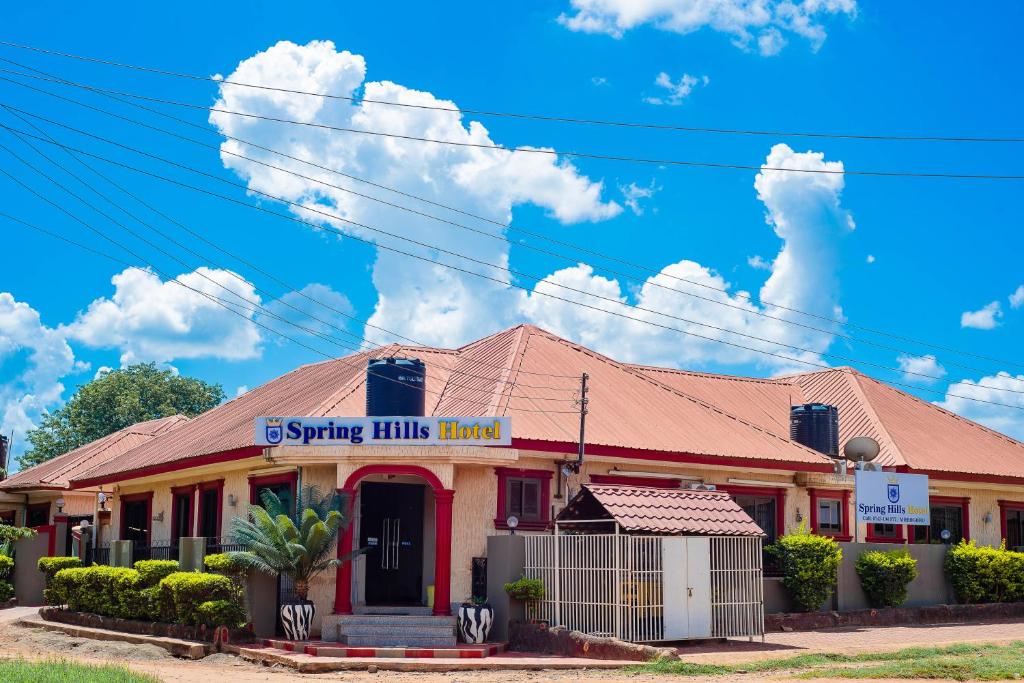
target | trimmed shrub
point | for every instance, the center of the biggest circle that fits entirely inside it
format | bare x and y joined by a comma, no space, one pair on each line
107,591
6,567
985,574
884,576
49,566
224,563
154,571
220,613
6,591
810,566
184,592
525,589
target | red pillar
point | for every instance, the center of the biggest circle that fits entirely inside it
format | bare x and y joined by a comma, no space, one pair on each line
343,576
442,550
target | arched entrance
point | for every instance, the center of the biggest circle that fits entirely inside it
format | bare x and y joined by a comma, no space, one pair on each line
442,535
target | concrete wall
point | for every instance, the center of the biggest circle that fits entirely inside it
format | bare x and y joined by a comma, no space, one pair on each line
506,556
28,580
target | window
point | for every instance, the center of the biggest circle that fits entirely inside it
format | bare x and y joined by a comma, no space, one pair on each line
948,514
7,517
38,514
210,495
181,512
885,533
830,513
829,519
282,485
763,510
136,513
1012,521
525,494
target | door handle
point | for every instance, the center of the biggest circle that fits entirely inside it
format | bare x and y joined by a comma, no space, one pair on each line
384,547
689,591
397,541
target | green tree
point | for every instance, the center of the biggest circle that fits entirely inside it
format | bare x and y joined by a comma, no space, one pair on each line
113,401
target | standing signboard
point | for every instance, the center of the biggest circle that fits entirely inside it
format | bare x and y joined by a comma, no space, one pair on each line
892,498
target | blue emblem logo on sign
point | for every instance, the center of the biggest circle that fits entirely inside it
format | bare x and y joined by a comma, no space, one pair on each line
274,430
894,493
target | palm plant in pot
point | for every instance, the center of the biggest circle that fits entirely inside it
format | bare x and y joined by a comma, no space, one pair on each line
297,544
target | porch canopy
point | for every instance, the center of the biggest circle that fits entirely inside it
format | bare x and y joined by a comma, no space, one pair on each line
647,510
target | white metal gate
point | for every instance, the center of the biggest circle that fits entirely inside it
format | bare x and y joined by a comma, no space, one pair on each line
616,585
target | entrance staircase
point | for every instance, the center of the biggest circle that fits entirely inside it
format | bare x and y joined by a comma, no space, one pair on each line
396,630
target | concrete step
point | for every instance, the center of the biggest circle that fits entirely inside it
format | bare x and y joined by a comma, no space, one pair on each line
420,610
395,620
348,630
400,640
458,652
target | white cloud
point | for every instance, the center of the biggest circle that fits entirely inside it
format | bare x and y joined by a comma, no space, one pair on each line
746,21
914,367
38,357
598,80
633,193
870,258
421,300
242,389
805,212
148,319
1007,418
1017,298
676,91
758,263
985,318
316,308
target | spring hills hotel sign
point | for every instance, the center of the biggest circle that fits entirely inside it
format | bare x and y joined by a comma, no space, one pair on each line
891,498
383,431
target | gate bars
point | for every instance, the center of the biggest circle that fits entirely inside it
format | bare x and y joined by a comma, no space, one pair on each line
611,584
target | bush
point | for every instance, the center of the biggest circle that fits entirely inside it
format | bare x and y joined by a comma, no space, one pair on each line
810,565
184,592
224,563
49,566
985,574
154,571
6,567
220,613
108,591
6,591
884,576
525,589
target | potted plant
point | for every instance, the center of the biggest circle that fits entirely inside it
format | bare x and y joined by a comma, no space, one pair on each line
525,591
475,618
297,544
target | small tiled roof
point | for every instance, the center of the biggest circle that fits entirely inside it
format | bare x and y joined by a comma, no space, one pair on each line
667,511
57,472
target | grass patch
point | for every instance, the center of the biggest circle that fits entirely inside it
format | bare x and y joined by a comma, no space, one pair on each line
60,671
957,662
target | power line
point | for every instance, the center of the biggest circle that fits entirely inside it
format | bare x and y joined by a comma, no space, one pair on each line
567,153
530,116
510,227
509,283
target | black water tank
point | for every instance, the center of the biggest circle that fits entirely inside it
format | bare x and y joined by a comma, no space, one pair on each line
395,386
816,426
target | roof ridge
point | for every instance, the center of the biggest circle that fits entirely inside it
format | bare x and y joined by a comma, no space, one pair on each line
854,379
712,375
121,435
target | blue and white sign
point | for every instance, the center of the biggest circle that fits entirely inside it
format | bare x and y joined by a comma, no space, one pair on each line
383,431
892,498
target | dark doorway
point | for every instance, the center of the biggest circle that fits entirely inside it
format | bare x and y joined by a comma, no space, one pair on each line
209,516
73,521
136,521
391,526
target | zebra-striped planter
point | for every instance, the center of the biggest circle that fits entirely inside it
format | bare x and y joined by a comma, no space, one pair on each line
475,622
296,619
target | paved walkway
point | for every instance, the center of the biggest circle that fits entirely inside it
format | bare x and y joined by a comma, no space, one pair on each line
853,640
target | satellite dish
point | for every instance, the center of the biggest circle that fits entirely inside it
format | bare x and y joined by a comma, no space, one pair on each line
861,449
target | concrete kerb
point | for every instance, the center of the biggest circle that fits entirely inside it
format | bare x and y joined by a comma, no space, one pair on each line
179,648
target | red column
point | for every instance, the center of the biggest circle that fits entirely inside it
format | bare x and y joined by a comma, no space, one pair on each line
343,577
442,550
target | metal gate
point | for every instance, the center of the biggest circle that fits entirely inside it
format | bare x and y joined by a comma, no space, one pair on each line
616,585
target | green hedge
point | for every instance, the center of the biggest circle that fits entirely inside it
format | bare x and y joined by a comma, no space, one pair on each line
810,566
6,591
6,567
985,574
153,572
885,575
223,563
110,591
49,566
525,589
184,592
221,613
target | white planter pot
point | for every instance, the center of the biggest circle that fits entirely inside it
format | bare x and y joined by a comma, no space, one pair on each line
296,619
474,622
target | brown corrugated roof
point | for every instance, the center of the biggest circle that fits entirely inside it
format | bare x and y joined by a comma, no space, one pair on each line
665,511
58,471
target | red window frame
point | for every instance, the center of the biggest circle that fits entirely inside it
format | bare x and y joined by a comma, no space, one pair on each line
843,497
134,498
36,507
501,513
218,486
948,501
1004,507
779,493
875,536
255,483
190,491
625,480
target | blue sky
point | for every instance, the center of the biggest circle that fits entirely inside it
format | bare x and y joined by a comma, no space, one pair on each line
907,256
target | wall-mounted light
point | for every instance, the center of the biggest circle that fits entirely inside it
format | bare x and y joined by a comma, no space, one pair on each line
799,516
232,500
987,518
159,517
102,498
60,505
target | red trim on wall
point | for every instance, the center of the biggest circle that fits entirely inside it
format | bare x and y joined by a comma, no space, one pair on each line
412,470
544,476
668,456
218,486
176,491
175,466
133,498
778,493
624,480
1004,506
255,483
843,496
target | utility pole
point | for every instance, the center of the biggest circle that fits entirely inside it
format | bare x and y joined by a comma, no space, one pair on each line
583,418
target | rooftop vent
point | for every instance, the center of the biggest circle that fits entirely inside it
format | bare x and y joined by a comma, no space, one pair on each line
395,387
816,425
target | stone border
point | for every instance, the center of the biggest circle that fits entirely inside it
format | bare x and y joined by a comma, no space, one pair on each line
13,602
177,647
893,616
145,628
533,637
